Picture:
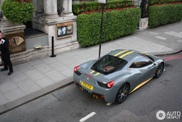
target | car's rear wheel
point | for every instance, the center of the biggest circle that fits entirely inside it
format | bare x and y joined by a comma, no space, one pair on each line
159,70
122,93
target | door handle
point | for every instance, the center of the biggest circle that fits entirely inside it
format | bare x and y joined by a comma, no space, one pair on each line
151,66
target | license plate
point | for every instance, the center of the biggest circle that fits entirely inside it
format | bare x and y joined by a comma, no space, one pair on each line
88,86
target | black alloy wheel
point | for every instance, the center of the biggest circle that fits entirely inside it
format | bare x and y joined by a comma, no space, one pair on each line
159,70
122,93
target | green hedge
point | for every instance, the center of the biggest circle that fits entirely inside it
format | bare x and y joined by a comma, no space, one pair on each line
17,12
116,24
96,6
152,2
164,14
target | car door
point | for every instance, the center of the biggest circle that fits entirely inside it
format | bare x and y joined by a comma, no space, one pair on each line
145,66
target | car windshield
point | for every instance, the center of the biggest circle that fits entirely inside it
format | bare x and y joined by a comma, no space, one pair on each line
108,64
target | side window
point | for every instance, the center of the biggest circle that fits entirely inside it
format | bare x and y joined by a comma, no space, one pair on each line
141,62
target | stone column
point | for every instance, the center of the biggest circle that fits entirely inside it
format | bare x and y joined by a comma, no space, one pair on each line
137,2
70,6
1,2
60,7
38,7
67,5
50,9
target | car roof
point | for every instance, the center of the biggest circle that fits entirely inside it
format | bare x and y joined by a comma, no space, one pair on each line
125,54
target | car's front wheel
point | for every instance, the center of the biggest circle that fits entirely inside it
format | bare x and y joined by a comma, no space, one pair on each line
159,70
122,93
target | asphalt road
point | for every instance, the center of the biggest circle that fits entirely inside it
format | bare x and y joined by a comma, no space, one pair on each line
70,104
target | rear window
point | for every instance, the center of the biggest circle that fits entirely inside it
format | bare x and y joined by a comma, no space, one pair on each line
108,64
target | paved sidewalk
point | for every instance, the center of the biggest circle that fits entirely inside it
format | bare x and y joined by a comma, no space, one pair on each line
38,77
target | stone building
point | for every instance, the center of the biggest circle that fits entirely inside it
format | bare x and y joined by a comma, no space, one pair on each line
53,17
52,20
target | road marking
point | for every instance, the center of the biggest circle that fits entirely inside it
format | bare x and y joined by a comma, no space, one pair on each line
174,34
87,117
173,57
160,37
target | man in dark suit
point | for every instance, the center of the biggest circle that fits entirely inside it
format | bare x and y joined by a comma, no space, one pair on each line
5,53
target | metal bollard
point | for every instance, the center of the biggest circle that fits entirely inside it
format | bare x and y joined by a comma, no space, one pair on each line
53,48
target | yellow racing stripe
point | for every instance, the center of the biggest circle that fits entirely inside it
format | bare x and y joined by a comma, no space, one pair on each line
92,72
97,74
140,85
126,54
120,52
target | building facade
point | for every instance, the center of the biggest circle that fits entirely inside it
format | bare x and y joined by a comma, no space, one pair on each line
52,17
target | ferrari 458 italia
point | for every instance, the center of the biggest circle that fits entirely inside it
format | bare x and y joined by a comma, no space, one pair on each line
117,74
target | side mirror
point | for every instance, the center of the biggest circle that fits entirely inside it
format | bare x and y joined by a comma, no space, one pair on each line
155,64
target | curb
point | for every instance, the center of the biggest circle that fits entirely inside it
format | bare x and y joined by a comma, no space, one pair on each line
37,94
167,53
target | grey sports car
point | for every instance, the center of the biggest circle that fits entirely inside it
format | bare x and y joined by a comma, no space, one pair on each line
117,74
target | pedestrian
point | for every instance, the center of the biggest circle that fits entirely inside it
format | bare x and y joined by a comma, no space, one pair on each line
5,53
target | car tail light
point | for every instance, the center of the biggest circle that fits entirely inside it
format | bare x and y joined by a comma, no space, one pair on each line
110,84
76,68
102,96
76,83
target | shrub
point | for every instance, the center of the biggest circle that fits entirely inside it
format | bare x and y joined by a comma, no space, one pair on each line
164,14
152,2
96,6
16,11
115,24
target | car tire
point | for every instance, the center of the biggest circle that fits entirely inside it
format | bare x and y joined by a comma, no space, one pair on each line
159,70
122,94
